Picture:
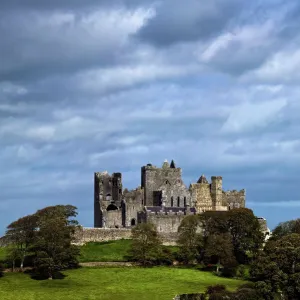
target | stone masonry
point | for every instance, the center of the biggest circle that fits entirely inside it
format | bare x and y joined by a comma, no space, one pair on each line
162,199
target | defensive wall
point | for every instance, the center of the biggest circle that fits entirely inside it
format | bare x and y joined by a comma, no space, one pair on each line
84,235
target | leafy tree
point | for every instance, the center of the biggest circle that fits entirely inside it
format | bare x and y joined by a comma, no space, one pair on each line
277,270
286,228
53,241
190,239
13,255
219,249
243,227
146,247
214,222
20,236
47,235
246,233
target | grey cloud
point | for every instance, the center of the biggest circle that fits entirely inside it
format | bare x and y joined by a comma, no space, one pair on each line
120,106
59,42
175,22
67,4
254,38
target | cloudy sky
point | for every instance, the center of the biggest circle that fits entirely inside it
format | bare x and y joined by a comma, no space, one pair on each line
92,85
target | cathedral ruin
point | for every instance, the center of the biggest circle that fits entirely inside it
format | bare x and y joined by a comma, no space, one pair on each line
162,198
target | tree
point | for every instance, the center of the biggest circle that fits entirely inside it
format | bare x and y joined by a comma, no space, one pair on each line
219,250
286,228
243,227
20,236
277,269
214,222
14,254
53,240
190,239
146,245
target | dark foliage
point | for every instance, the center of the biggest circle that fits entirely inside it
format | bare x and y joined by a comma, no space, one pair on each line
1,270
286,228
243,227
44,240
277,269
190,240
146,247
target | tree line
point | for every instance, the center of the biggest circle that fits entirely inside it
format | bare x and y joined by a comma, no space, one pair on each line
43,241
232,244
229,243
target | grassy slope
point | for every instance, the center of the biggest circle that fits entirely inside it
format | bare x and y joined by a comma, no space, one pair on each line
107,251
111,283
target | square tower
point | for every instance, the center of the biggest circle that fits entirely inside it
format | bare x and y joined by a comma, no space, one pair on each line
164,186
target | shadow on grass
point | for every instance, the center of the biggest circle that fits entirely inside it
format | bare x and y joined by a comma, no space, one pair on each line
41,276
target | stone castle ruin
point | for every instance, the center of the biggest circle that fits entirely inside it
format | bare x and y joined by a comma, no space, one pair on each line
162,199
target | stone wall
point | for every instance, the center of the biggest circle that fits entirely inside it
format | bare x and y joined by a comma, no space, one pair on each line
112,218
84,235
167,179
166,223
133,203
201,196
234,199
206,196
107,190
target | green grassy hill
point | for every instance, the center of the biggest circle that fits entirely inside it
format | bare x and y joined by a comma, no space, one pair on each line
112,284
107,251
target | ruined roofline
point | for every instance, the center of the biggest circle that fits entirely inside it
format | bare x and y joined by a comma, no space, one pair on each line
152,167
235,191
105,173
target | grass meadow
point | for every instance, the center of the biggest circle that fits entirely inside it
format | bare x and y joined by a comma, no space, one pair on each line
112,283
108,251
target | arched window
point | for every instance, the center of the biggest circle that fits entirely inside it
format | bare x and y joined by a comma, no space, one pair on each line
133,222
184,201
178,201
111,207
108,197
172,201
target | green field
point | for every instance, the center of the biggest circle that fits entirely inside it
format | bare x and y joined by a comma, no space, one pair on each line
107,251
111,283
91,252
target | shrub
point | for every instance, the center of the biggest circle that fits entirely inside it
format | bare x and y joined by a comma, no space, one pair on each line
1,270
241,272
212,289
165,257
